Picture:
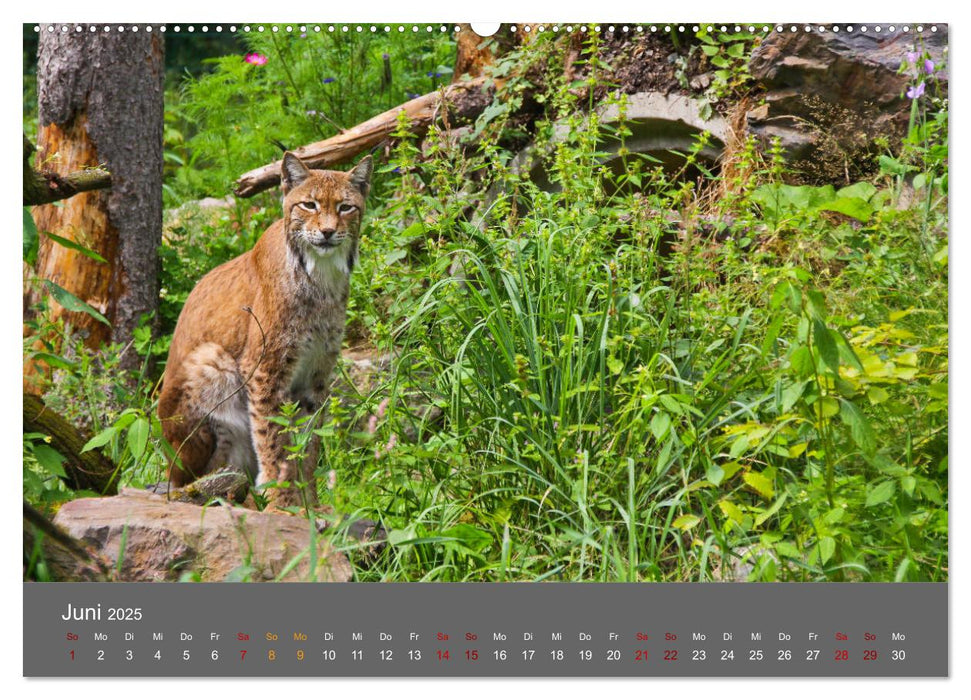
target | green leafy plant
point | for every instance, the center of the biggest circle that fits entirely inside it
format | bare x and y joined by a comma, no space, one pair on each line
727,52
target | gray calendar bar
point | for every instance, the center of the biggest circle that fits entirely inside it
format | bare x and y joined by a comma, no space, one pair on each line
520,629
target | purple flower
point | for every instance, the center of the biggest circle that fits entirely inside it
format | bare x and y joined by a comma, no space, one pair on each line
916,91
256,59
329,80
311,112
385,57
911,57
928,66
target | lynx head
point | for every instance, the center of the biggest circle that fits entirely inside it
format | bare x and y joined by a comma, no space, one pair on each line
322,210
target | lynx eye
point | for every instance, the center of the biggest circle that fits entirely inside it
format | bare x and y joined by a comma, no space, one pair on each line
345,208
309,205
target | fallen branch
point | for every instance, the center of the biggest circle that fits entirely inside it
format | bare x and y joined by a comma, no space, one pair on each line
89,470
63,557
44,187
465,101
228,484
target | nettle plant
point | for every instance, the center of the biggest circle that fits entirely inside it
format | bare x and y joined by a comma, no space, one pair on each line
858,471
727,53
848,451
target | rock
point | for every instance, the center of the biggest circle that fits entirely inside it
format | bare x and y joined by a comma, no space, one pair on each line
365,367
661,125
50,554
367,537
177,223
700,82
162,540
738,566
830,94
205,204
655,117
665,125
367,372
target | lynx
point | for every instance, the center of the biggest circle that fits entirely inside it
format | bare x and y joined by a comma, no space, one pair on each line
262,330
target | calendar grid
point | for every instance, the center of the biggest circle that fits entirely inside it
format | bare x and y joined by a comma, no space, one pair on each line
454,630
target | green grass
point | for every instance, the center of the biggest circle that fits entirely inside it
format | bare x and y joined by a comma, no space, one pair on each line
603,418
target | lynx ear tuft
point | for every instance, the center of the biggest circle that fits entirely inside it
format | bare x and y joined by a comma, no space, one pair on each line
360,175
293,172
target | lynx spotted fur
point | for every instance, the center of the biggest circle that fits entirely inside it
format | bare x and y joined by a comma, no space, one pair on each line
262,330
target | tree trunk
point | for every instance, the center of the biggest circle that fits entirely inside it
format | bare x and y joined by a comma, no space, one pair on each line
472,55
100,104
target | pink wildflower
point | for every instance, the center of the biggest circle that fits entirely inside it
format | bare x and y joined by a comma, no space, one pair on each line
372,424
382,407
256,59
380,451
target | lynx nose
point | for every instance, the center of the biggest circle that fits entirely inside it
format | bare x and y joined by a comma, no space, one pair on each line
325,238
